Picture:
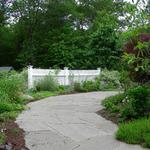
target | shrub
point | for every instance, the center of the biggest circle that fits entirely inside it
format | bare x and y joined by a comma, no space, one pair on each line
113,103
140,100
23,76
66,89
7,107
127,112
89,86
135,132
109,80
48,83
78,87
8,116
147,140
133,104
126,81
11,86
86,86
137,58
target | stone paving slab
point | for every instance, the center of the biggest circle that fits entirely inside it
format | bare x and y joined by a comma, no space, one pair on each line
70,122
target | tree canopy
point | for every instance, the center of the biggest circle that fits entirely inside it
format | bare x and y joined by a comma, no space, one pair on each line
73,33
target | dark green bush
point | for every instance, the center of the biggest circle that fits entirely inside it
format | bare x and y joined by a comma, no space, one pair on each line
113,103
140,100
133,104
146,140
127,112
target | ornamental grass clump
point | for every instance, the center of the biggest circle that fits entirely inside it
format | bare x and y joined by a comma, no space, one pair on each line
48,83
135,132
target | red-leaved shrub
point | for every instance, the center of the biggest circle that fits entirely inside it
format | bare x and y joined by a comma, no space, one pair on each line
139,46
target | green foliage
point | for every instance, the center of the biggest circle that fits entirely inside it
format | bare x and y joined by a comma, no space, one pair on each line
126,81
10,87
7,107
132,104
137,55
48,83
103,48
86,86
42,94
90,86
136,104
78,87
109,80
112,103
7,47
61,33
127,112
138,67
2,138
135,132
147,140
140,100
66,89
6,116
65,32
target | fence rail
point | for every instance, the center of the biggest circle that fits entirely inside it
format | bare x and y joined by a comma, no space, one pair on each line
64,77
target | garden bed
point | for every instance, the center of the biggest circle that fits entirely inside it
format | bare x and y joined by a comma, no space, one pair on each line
108,116
13,136
130,111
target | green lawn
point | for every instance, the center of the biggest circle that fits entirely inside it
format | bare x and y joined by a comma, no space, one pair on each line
42,94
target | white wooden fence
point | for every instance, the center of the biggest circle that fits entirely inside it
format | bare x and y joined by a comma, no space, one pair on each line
64,77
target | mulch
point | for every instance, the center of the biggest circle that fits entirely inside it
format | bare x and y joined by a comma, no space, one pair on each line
14,136
108,116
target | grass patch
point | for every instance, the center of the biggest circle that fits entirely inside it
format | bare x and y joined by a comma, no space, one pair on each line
135,132
42,94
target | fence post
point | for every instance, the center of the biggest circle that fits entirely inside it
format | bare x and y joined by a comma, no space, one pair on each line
99,71
30,77
66,75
